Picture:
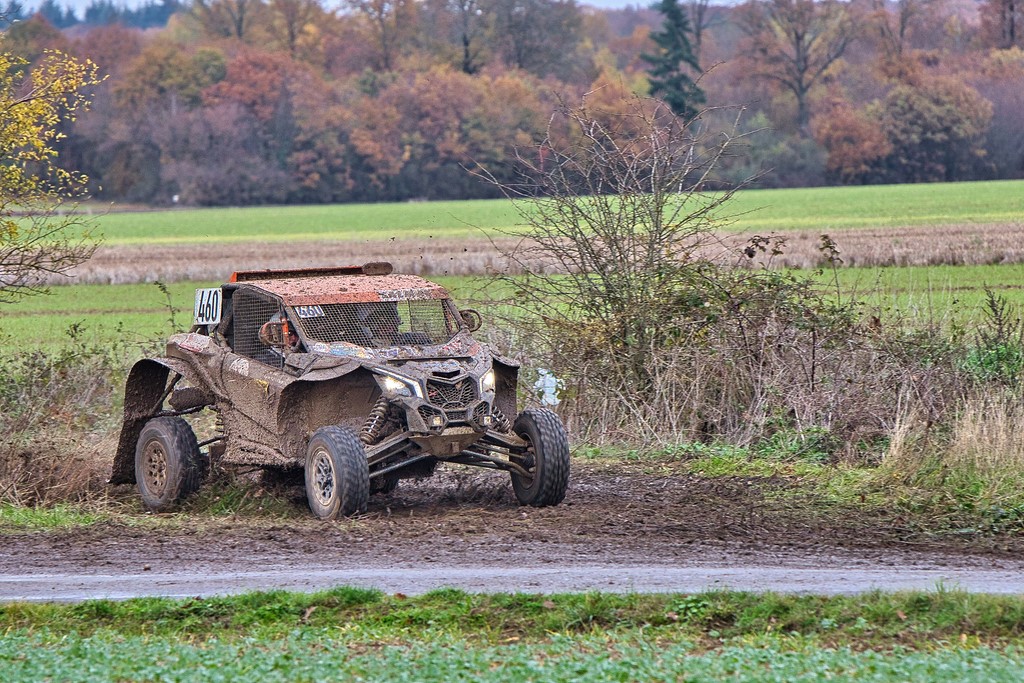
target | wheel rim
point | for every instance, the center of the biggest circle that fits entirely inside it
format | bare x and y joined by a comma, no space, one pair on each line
323,477
154,467
529,462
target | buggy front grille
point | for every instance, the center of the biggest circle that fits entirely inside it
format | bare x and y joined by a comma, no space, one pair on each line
452,397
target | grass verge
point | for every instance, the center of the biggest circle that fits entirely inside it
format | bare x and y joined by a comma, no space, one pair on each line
450,635
46,518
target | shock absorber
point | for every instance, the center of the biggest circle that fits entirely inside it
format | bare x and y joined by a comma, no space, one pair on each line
374,422
501,422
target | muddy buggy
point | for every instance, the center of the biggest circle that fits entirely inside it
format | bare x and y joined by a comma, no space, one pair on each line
353,377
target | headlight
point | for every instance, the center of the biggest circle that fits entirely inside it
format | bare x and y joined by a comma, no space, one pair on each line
487,381
397,386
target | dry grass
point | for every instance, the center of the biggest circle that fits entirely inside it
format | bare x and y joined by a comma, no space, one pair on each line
58,424
963,245
920,245
987,437
57,465
173,263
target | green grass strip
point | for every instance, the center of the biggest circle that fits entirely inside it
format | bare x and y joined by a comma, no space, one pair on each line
449,635
916,619
762,211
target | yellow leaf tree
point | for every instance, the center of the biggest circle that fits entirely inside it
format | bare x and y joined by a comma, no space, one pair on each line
40,234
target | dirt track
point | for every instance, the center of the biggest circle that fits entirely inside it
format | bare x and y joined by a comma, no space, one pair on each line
619,529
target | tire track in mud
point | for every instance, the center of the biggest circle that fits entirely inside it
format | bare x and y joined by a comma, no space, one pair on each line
619,529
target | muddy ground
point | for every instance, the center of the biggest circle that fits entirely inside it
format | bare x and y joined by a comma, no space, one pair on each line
620,527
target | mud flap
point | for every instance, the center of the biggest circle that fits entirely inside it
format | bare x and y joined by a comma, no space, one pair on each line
146,384
507,380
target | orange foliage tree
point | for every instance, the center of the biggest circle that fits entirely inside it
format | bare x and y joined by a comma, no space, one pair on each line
853,140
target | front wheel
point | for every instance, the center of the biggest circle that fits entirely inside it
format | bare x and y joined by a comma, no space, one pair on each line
337,474
547,461
167,463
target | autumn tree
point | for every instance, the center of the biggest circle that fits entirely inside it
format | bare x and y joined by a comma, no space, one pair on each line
1002,73
794,43
29,39
935,130
673,64
896,21
389,25
422,132
321,161
111,47
228,18
703,17
852,139
541,37
464,25
289,20
38,240
1002,23
166,76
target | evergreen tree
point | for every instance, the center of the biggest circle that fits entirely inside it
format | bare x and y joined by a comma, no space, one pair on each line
11,12
59,17
674,61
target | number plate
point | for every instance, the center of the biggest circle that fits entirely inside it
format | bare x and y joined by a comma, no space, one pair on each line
309,312
457,431
207,308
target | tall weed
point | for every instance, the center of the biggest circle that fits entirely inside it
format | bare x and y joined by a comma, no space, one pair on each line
58,417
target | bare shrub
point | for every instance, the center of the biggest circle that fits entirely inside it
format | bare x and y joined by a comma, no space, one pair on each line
663,332
58,414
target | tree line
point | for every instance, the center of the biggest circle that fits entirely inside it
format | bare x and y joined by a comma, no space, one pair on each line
232,102
96,13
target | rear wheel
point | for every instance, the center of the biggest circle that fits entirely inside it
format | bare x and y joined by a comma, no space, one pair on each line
168,467
337,474
547,461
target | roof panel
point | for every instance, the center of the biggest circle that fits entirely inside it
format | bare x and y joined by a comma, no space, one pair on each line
339,289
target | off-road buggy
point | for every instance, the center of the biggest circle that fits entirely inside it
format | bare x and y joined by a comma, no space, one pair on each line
355,376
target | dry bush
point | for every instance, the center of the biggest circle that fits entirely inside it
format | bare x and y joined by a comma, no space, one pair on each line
661,330
58,418
796,366
53,467
972,471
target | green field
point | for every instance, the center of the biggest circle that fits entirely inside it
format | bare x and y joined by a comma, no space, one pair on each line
934,294
100,314
829,208
753,210
448,635
139,313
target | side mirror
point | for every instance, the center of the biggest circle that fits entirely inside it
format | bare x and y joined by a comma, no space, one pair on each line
274,333
471,319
